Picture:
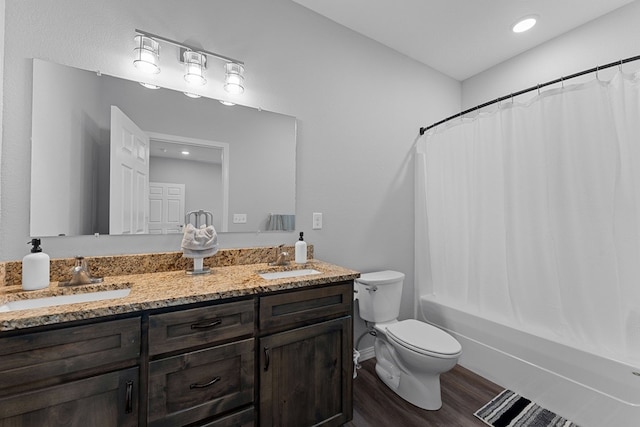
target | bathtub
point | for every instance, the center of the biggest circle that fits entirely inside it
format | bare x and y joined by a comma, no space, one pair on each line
590,390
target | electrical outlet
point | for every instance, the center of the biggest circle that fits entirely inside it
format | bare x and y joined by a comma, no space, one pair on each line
239,218
317,221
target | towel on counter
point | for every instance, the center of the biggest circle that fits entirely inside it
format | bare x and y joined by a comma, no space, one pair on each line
199,242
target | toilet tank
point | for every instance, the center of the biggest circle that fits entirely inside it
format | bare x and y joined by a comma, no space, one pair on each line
379,295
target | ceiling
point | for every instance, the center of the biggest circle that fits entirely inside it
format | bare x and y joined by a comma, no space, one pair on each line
174,150
460,38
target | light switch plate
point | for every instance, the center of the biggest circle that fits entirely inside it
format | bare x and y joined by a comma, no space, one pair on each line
317,221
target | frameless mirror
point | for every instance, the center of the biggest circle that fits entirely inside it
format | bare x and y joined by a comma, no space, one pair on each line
110,156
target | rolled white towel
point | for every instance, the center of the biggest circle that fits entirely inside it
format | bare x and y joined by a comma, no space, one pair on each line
199,242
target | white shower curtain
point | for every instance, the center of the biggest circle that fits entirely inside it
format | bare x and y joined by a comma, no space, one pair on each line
530,215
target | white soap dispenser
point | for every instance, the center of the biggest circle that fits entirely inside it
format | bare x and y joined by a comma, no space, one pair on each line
35,268
301,250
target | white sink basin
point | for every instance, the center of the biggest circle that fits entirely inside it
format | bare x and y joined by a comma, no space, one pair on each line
290,273
27,304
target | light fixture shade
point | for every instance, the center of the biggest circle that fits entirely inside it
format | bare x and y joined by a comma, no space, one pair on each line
234,78
147,54
195,63
149,85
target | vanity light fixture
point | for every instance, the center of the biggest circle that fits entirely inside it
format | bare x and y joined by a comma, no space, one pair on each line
524,24
234,78
147,58
147,54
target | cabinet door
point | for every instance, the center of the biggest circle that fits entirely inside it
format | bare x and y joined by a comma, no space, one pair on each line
306,375
109,400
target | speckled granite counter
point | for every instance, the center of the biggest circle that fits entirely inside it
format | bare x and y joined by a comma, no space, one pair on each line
151,290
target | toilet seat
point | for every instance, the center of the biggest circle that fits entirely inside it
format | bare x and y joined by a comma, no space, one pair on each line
424,339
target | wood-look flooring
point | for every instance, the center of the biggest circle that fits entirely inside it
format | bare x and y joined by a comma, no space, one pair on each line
463,393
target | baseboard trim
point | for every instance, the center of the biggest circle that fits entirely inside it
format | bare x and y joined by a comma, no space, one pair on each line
366,354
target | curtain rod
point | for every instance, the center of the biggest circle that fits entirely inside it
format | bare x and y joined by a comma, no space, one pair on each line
532,88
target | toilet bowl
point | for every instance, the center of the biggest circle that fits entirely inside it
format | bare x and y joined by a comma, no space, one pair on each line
410,354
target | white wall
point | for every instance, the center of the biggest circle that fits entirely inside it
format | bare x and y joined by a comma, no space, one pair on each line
359,106
607,39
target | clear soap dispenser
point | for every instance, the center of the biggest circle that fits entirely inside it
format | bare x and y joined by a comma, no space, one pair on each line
35,268
301,250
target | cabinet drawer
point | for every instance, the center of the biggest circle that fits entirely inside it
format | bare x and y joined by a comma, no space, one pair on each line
109,400
205,325
36,358
198,385
301,307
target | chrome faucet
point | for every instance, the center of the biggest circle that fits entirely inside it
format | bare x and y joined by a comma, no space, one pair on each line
282,257
80,274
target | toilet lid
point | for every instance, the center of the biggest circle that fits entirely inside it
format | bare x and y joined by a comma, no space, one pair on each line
423,337
380,277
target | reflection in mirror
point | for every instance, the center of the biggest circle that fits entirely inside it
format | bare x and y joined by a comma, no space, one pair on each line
241,161
203,165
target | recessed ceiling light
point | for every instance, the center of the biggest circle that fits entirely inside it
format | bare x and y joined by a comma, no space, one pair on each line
192,95
227,103
524,24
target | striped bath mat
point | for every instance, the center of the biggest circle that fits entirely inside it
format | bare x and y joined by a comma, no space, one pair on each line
509,409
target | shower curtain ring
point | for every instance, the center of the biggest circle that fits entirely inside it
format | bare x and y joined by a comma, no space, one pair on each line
597,70
562,81
538,88
620,66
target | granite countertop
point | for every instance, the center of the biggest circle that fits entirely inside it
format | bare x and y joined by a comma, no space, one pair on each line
163,289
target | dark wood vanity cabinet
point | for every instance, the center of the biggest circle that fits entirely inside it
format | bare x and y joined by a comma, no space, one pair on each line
279,359
305,365
72,376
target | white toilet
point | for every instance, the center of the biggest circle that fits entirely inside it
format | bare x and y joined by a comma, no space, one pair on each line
410,355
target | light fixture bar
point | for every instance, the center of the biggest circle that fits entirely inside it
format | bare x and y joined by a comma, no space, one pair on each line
188,47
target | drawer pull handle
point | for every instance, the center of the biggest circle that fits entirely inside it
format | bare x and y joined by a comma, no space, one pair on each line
128,403
206,325
210,383
267,357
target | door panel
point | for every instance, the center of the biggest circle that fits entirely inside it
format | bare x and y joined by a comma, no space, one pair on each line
129,176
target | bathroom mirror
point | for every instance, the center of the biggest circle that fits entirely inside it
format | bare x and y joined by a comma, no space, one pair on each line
240,163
